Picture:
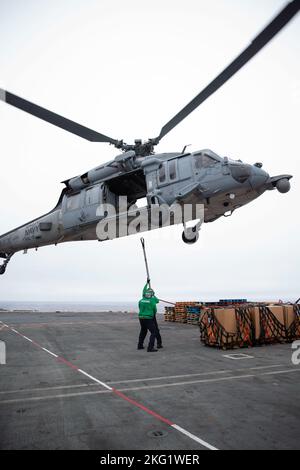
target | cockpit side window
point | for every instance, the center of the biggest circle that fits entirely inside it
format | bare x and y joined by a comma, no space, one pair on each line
204,161
208,162
73,202
162,173
172,170
92,195
198,161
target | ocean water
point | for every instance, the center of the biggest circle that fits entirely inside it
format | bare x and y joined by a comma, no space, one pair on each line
70,306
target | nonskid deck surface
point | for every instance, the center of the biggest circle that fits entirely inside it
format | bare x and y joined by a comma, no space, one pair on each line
76,381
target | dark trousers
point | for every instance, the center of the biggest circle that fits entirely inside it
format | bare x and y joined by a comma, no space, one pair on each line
158,337
149,325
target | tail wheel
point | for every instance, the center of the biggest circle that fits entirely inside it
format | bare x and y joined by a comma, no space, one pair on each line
2,269
4,265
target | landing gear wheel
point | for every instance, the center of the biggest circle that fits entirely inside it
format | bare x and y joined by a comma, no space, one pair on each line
190,236
2,269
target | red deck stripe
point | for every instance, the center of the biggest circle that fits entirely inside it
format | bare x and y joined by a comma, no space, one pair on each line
61,359
142,407
114,390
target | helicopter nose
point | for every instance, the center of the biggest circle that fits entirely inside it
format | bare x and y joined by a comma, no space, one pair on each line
252,174
258,178
241,172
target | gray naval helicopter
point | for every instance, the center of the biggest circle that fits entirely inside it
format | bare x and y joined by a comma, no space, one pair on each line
222,185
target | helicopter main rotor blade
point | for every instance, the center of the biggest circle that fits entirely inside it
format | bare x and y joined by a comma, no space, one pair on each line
256,45
54,118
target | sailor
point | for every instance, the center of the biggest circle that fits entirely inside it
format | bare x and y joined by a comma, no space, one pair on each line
147,317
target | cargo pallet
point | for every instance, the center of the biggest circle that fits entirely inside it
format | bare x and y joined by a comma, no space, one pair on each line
254,325
240,324
180,309
169,314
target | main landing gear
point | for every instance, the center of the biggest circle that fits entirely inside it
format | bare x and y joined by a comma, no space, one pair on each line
191,234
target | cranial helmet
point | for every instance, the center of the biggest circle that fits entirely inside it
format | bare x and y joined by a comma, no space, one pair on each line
149,293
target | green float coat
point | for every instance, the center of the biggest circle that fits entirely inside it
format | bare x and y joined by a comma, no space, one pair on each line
147,306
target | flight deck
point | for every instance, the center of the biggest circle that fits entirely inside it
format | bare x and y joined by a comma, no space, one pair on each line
76,381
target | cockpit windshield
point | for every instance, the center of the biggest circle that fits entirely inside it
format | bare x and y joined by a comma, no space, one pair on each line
206,159
231,160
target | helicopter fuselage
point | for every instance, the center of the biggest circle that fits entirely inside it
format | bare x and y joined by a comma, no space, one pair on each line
221,185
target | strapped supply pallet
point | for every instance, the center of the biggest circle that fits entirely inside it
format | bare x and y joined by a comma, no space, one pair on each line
293,330
239,325
250,325
272,330
227,328
212,333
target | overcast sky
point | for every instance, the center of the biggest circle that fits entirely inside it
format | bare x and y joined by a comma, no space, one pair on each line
124,68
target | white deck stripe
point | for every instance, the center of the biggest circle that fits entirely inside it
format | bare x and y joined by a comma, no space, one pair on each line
281,372
42,389
171,377
216,372
264,367
192,382
94,379
195,438
219,379
28,339
237,356
127,389
59,387
49,397
47,350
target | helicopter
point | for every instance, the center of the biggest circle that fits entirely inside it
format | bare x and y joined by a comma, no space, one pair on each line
220,184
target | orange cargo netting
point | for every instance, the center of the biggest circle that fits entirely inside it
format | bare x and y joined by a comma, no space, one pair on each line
245,328
271,330
213,333
293,332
